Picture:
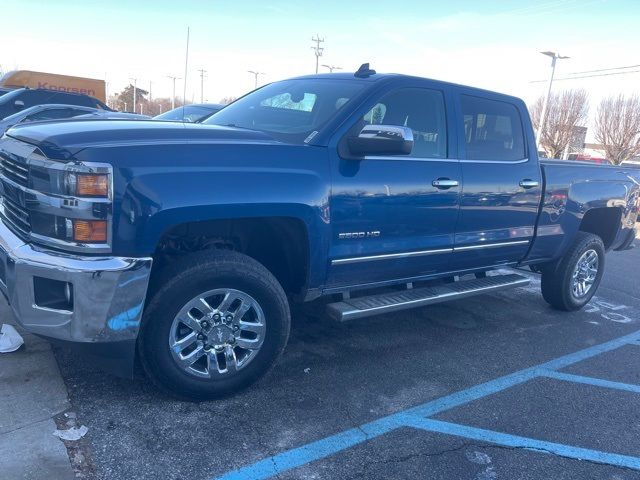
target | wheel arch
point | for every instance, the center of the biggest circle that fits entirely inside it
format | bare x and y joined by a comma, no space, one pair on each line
604,222
282,243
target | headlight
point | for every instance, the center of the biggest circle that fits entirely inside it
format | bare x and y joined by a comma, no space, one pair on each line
88,185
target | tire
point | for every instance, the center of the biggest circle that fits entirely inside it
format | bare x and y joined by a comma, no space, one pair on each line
558,278
213,276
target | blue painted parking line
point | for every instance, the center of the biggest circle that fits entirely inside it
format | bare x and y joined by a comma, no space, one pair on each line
598,382
416,417
515,441
314,451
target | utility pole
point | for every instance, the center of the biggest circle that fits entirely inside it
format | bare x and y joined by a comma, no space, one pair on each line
202,73
173,97
135,92
545,105
317,48
186,65
255,73
332,68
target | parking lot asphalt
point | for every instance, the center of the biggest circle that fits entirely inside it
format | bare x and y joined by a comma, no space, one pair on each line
342,401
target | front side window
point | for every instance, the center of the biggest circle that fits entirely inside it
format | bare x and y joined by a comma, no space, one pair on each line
421,110
492,130
290,110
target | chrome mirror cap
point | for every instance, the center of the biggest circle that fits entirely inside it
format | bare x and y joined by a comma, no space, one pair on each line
382,140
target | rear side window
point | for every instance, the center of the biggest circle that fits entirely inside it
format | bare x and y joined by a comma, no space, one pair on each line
70,99
32,98
492,130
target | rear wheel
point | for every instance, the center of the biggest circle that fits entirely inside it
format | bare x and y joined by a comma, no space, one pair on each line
216,325
571,282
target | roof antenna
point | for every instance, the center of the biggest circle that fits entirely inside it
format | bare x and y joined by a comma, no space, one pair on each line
364,71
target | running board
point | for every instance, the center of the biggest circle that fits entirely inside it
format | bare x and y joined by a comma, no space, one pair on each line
352,308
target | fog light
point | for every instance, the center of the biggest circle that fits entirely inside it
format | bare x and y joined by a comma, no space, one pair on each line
90,231
54,294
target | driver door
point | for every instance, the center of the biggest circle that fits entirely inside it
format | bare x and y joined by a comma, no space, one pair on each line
390,218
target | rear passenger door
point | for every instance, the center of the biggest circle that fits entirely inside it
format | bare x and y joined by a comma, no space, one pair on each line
501,185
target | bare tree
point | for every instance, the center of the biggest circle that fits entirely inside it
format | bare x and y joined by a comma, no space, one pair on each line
618,127
227,100
566,110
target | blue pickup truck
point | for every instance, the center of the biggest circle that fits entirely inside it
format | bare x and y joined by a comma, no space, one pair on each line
184,245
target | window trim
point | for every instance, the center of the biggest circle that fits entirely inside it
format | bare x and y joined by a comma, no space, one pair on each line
462,144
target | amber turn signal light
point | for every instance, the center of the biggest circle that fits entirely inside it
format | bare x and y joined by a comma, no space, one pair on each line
90,231
92,185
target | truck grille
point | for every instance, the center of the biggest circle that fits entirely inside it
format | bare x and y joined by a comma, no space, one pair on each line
14,169
15,217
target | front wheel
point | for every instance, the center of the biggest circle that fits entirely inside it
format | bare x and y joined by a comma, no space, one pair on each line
216,325
570,283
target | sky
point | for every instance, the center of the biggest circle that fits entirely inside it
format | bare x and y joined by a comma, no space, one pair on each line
493,44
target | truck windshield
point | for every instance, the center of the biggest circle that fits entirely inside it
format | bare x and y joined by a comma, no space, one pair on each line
291,110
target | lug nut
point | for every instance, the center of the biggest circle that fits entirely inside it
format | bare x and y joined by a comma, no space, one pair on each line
200,336
205,324
236,328
216,317
229,318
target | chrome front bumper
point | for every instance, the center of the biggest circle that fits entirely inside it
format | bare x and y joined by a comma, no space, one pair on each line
108,292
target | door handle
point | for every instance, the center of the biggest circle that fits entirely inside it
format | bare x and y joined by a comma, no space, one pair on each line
528,183
444,183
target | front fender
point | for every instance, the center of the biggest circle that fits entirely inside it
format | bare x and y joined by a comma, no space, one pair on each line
222,182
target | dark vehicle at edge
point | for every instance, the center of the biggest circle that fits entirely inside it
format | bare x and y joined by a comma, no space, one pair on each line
21,98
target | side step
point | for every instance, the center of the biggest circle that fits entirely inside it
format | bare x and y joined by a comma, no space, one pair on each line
419,297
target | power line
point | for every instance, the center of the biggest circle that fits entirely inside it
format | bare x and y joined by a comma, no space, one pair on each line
604,69
589,76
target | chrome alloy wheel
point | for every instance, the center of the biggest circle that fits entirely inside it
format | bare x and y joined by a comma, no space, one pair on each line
585,273
217,333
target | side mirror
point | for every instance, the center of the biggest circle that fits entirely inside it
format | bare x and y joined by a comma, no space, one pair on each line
18,105
382,140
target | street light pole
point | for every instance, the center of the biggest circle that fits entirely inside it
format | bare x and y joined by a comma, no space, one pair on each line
173,97
135,92
202,73
255,74
545,105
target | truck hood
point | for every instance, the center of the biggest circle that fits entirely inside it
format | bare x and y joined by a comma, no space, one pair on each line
62,140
